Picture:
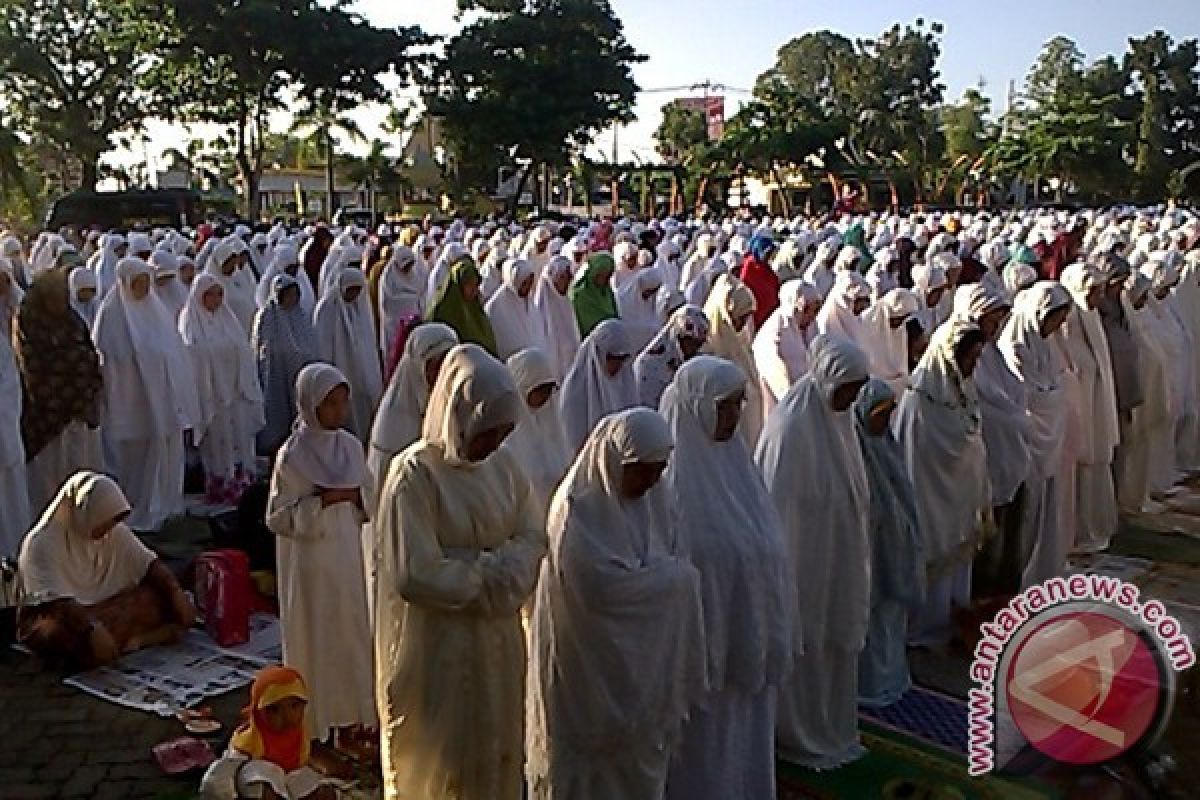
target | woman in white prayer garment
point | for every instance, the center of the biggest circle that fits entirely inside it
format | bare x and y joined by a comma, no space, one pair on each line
15,514
730,311
346,339
809,454
316,509
552,306
539,443
149,395
1170,337
601,381
637,308
887,339
401,294
402,410
940,427
617,643
781,348
1095,512
226,262
167,285
228,394
1005,414
842,313
103,263
1029,344
684,335
820,272
460,542
512,311
729,530
1147,433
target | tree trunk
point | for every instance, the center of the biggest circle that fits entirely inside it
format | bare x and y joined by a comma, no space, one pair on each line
701,190
516,198
895,195
330,184
785,202
89,164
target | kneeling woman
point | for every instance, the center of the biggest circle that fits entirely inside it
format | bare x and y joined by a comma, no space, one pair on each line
92,590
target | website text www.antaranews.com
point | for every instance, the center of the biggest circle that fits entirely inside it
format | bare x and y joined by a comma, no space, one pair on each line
997,634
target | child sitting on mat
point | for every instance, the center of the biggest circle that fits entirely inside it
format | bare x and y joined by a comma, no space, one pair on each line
268,756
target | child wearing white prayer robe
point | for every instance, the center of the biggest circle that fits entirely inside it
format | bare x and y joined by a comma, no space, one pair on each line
149,395
616,632
315,508
346,339
729,529
811,462
459,543
940,427
228,393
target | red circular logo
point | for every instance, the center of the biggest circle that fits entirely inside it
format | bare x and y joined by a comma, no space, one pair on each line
1084,687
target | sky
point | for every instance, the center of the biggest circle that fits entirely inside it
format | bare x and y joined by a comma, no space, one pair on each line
731,42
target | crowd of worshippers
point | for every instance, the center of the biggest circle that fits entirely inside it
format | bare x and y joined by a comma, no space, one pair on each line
603,510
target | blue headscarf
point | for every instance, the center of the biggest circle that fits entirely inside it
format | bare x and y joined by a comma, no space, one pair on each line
761,245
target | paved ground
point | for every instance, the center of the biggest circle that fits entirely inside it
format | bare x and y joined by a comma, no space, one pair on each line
60,743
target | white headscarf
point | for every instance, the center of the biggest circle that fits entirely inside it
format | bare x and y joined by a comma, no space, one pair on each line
813,468
401,293
104,262
222,361
10,300
402,410
729,529
84,278
655,367
617,655
239,286
729,300
637,309
174,294
1087,348
60,559
514,318
330,458
781,348
474,393
346,339
283,259
940,426
837,314
589,393
560,330
887,346
539,443
148,383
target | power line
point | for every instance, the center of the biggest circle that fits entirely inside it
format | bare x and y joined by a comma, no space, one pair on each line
708,86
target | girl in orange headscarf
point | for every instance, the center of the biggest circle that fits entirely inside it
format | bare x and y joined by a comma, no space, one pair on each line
268,755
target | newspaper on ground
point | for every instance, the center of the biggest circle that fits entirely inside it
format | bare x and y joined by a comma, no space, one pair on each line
166,680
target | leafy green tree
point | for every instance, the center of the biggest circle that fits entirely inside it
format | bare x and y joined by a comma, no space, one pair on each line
534,81
682,129
71,72
328,130
1168,138
234,64
1058,70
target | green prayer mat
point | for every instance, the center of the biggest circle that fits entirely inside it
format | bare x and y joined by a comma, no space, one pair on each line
899,767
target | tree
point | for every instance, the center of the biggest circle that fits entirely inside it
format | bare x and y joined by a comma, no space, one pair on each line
532,81
682,129
234,63
324,127
1168,135
1057,70
71,72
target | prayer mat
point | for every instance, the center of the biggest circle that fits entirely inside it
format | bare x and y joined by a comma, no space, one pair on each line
925,714
898,767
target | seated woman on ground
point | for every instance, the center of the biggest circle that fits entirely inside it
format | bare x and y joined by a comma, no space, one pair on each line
91,590
269,754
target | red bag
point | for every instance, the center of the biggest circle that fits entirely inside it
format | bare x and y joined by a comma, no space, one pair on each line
224,595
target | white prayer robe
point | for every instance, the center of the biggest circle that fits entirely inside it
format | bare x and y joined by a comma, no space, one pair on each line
729,300
346,339
560,330
781,348
616,637
514,318
813,468
460,544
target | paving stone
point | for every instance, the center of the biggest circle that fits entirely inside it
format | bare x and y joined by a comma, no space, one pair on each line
28,791
84,781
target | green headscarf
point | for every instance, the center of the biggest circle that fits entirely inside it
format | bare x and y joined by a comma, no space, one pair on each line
856,238
593,304
466,317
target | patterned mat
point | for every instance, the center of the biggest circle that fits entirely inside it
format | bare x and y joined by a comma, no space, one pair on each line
928,715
